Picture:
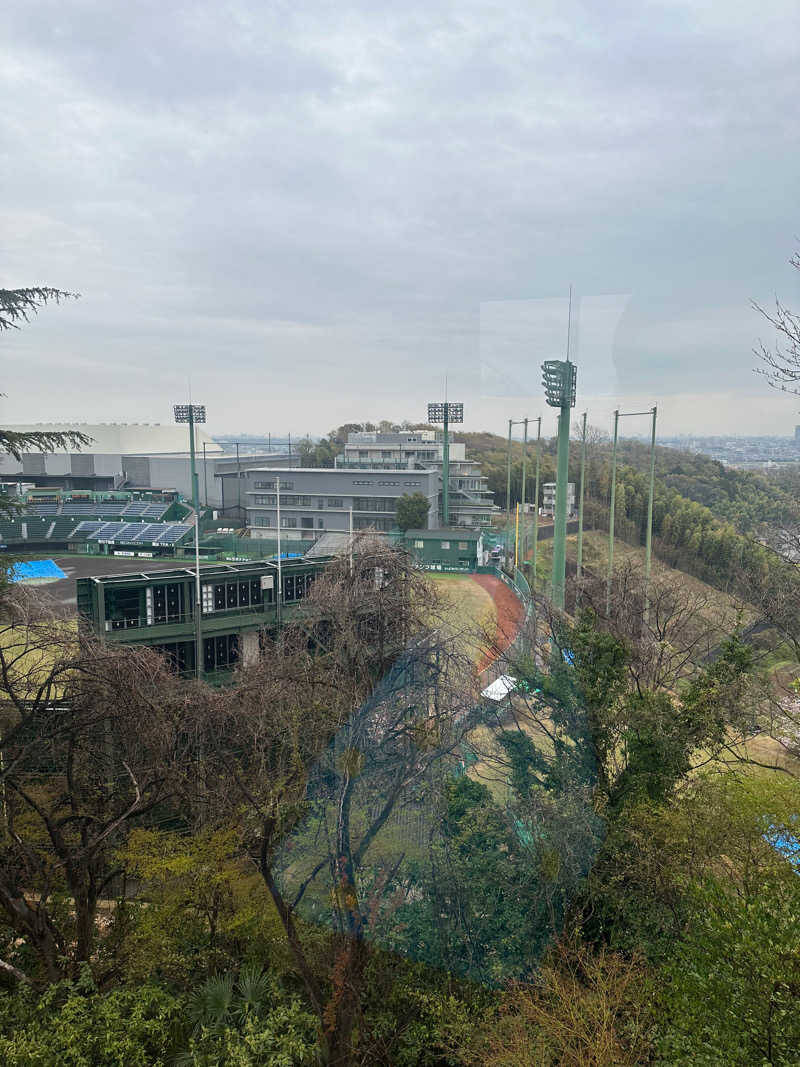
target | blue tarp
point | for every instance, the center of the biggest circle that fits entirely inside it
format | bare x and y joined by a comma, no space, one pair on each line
37,568
786,844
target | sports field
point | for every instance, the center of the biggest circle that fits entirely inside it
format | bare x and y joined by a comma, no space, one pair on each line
481,611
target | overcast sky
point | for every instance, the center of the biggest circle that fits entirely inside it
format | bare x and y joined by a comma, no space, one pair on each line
320,210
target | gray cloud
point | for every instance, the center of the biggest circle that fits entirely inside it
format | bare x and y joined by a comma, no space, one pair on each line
305,206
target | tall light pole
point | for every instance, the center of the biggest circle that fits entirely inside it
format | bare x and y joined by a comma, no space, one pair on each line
560,380
446,414
579,564
193,414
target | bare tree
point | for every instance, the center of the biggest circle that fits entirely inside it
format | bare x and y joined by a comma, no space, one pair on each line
324,741
668,625
781,362
89,733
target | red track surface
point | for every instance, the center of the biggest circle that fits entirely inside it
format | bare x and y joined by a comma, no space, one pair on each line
510,615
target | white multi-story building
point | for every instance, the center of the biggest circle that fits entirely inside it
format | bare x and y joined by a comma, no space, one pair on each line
549,499
470,499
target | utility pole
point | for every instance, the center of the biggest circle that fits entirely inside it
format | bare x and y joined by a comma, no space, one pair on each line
560,385
205,477
195,413
579,566
238,485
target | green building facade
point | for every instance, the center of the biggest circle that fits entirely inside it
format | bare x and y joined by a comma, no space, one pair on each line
239,601
445,549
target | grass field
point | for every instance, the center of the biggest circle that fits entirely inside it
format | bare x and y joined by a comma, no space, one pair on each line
469,610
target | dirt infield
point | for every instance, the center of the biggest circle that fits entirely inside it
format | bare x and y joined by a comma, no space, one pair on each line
510,615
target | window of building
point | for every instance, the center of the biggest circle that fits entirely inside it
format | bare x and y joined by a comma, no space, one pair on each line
375,503
296,586
321,524
179,654
288,524
335,502
307,524
419,544
463,546
166,603
262,499
220,653
262,520
373,523
320,502
271,485
445,545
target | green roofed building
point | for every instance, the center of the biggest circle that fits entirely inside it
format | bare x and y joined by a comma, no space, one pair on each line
445,549
239,600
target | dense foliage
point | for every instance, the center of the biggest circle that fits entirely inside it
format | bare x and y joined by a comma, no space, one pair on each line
345,857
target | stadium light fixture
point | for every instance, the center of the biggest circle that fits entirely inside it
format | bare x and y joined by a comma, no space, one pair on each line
189,412
446,412
559,378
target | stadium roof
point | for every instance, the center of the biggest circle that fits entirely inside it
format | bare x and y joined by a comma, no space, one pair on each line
126,439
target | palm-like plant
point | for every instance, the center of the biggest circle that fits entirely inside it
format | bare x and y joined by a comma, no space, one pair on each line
224,1001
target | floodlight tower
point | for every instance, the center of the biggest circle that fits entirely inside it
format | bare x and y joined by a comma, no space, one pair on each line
193,414
445,414
559,380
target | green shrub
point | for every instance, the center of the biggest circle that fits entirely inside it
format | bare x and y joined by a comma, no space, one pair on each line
72,1025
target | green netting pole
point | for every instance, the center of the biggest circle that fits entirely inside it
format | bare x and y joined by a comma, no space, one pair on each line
649,535
536,500
524,492
508,479
560,519
612,513
579,564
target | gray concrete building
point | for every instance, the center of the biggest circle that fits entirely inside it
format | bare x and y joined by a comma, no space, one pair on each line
125,455
318,500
